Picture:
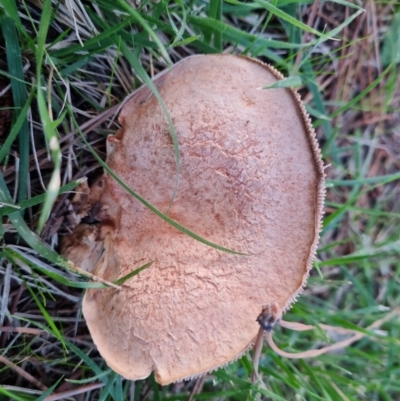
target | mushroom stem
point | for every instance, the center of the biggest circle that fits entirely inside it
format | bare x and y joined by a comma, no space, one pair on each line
256,355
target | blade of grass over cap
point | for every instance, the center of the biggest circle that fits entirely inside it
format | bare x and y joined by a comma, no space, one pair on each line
133,273
163,216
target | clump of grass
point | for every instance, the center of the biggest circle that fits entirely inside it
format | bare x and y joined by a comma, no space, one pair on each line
70,64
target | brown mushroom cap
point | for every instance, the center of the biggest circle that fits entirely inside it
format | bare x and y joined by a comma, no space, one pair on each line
251,179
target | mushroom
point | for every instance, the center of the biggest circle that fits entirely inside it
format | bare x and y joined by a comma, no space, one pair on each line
250,179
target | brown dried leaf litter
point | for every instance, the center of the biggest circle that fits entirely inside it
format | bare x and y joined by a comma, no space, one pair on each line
251,179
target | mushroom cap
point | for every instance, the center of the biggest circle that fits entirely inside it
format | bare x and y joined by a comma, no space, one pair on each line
250,179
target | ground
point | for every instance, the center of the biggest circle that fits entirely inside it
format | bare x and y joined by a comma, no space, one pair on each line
65,68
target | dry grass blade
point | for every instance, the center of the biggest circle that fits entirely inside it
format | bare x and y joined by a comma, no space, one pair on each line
22,330
71,393
93,277
22,373
198,386
330,348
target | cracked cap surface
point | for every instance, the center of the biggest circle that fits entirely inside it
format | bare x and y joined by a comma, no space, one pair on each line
251,179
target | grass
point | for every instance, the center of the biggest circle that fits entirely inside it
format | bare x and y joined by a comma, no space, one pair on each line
67,66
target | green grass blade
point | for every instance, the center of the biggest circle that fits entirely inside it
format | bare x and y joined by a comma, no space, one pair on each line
363,93
95,368
48,126
90,379
238,36
106,390
319,105
14,61
345,23
11,395
17,258
155,387
18,222
117,390
348,4
289,82
42,34
49,390
53,328
32,239
11,10
133,13
95,43
185,41
288,18
37,200
351,259
379,180
15,129
372,212
89,361
55,180
215,13
391,44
